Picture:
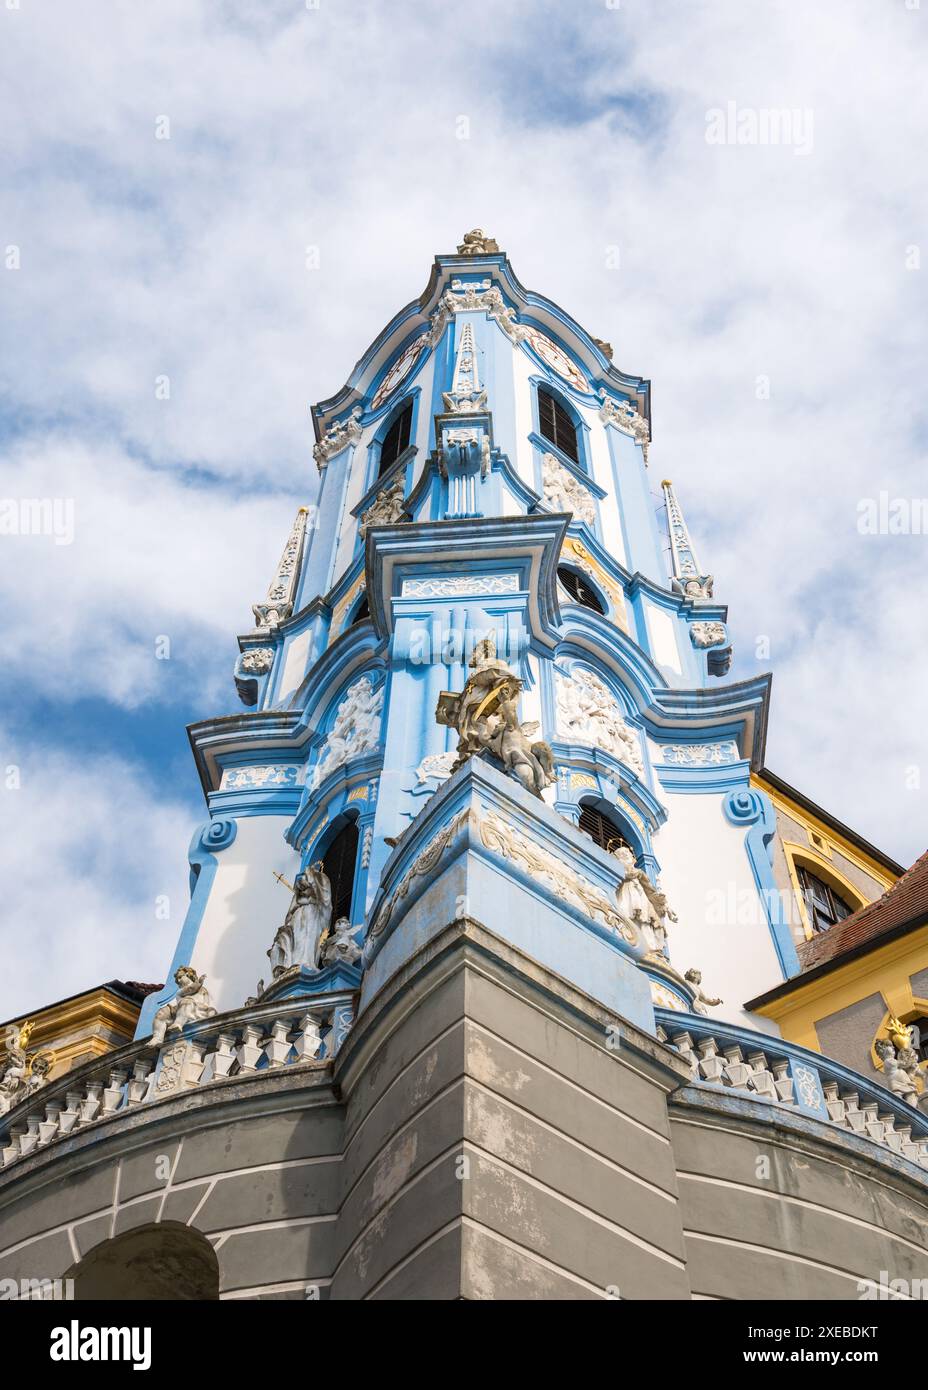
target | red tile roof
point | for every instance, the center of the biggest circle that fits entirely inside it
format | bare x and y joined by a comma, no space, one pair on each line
906,902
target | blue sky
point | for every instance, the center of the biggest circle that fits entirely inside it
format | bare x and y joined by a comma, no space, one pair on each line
339,128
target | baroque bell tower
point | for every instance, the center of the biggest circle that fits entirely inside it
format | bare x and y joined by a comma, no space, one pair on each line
458,1008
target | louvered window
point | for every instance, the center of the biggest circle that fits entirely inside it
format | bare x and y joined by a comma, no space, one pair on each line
579,590
556,425
601,829
395,440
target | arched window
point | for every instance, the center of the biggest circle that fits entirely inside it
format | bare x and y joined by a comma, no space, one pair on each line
167,1261
824,905
395,440
602,829
556,425
579,590
362,611
339,863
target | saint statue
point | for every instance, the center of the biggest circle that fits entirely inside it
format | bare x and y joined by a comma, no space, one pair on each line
299,940
640,903
485,715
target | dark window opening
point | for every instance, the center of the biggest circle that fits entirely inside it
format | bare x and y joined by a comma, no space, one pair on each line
363,611
604,831
395,440
919,1027
556,425
824,906
339,862
579,590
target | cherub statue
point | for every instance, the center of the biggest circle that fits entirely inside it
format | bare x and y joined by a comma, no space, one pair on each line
341,946
190,1004
702,1002
530,761
895,1076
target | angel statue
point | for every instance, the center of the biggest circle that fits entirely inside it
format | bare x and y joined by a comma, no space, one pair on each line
299,940
340,946
190,1004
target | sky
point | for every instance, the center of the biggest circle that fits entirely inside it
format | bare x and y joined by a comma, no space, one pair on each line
208,212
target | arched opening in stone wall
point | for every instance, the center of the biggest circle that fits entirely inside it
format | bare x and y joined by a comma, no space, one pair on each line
165,1261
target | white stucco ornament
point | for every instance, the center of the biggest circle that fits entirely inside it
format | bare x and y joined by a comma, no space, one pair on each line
387,508
565,493
356,728
589,713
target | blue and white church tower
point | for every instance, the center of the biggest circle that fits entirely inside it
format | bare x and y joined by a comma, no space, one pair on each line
462,1003
484,474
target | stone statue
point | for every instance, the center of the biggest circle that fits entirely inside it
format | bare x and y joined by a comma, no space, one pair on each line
189,1005
641,904
896,1077
341,947
485,715
702,1002
632,900
476,244
14,1068
299,940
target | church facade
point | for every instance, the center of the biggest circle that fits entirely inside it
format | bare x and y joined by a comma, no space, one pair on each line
471,998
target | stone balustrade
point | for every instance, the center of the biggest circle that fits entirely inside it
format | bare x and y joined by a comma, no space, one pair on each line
781,1073
227,1047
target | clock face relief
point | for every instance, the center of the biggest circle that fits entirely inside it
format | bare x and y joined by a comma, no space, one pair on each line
556,358
399,371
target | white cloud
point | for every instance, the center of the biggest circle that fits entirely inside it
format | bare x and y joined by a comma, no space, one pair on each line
86,851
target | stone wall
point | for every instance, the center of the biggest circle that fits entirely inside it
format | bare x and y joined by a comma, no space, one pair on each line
487,1131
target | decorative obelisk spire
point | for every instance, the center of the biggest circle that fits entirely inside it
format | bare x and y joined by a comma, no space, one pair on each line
278,605
466,396
687,578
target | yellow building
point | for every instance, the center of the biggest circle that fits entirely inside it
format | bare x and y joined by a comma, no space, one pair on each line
83,1026
864,957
